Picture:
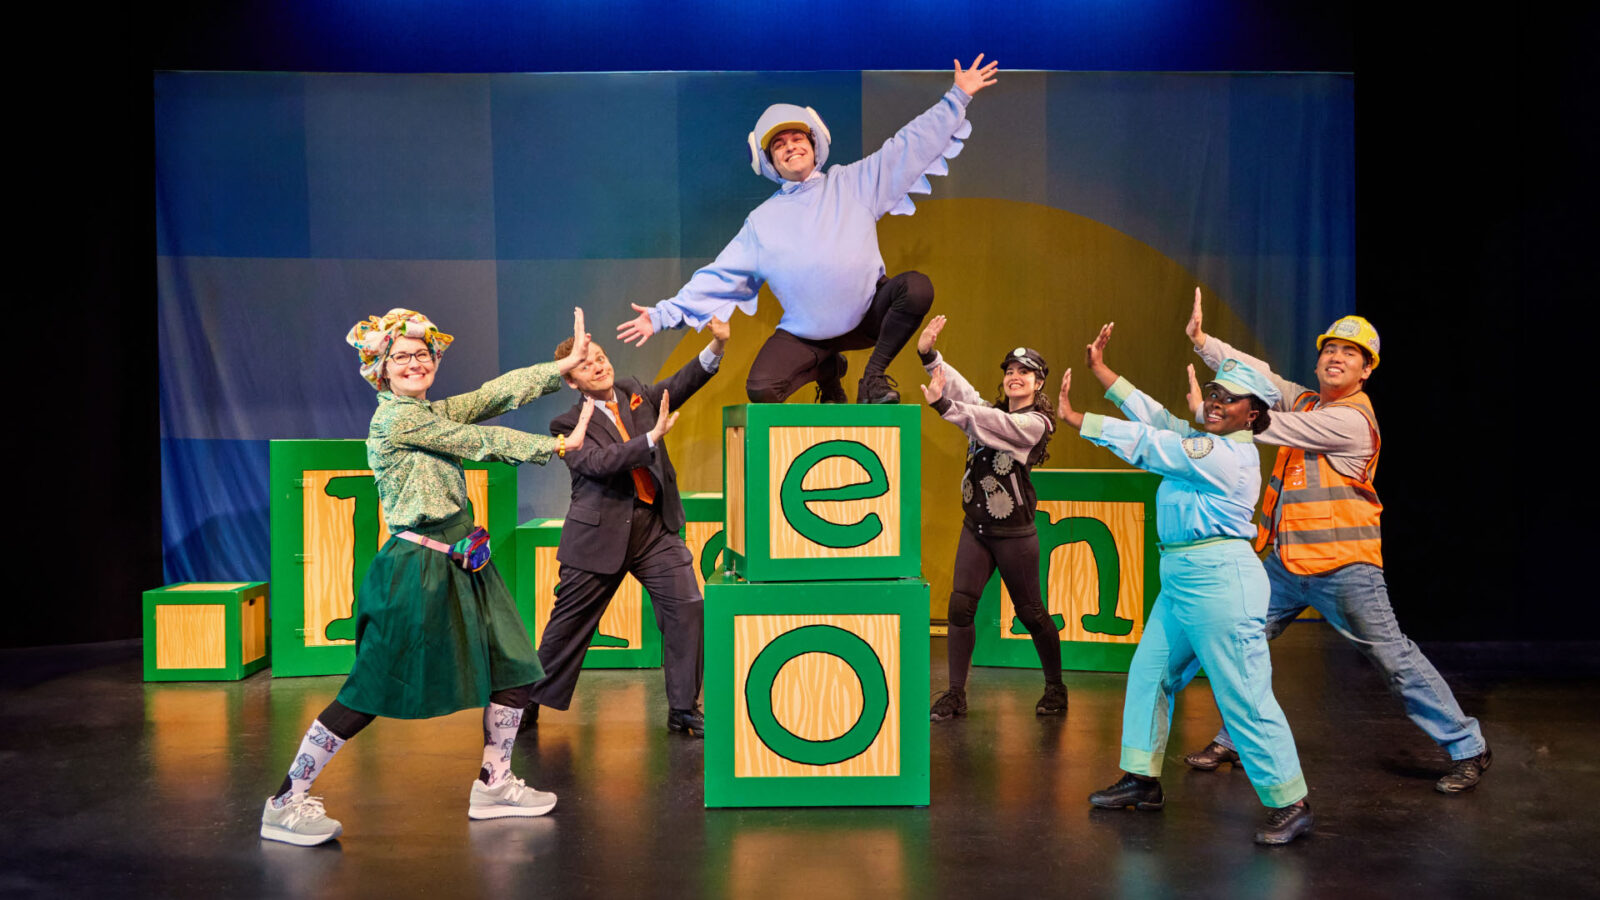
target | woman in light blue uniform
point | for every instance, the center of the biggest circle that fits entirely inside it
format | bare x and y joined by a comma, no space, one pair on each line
1214,591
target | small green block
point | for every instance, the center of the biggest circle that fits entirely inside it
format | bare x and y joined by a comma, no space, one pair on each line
604,651
205,631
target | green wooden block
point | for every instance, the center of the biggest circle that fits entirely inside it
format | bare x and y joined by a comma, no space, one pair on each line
823,492
1099,571
817,695
205,631
627,638
703,532
326,530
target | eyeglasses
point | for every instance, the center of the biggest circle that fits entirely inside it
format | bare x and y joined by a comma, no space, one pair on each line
404,359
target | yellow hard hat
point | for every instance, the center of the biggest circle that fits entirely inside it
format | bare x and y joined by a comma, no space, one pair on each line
1357,331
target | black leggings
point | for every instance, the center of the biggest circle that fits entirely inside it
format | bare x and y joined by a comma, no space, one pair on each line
1017,558
345,722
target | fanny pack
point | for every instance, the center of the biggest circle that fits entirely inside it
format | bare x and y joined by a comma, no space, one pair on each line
470,553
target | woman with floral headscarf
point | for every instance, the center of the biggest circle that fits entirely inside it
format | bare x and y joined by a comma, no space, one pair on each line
436,631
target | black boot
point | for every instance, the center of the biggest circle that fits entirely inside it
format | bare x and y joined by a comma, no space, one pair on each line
829,390
1133,791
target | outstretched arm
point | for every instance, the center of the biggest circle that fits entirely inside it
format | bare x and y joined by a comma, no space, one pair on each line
729,282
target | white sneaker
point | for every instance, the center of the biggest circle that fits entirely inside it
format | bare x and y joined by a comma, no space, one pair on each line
511,797
301,820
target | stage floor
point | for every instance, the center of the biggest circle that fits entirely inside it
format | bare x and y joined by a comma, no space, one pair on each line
114,787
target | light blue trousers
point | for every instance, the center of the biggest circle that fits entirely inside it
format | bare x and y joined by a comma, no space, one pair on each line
1211,612
1355,601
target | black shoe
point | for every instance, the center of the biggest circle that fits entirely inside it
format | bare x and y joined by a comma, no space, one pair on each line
689,721
1211,757
948,705
1130,791
1464,773
1285,824
1054,701
876,387
829,390
530,718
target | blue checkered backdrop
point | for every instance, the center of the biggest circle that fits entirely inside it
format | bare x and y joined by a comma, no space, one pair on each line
291,205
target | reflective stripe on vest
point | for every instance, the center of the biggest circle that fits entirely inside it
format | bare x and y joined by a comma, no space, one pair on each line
1327,520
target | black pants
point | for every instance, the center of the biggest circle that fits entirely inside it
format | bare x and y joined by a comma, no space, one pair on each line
1017,558
786,363
664,565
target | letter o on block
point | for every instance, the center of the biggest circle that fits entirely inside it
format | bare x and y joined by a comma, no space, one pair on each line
855,653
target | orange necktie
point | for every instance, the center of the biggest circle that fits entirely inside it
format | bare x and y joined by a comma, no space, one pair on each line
643,484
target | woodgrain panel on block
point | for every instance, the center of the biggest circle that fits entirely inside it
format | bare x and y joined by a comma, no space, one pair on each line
816,696
733,459
209,586
624,618
1072,586
191,636
787,443
253,628
695,536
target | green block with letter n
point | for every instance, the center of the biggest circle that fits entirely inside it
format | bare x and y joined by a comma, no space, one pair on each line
327,527
627,636
818,694
823,492
1099,572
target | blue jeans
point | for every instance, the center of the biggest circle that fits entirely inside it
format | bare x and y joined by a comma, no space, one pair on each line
1355,601
1210,612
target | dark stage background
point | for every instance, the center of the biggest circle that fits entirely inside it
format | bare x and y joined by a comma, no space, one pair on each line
1474,148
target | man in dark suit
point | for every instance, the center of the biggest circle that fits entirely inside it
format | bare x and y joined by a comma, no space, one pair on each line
625,517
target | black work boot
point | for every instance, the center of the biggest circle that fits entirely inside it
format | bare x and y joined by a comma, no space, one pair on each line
1139,793
1464,773
1054,701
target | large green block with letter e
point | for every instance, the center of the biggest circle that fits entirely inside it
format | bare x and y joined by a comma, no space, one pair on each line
1099,572
816,697
327,527
822,492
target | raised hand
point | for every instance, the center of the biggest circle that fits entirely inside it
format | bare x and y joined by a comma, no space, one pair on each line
638,329
929,335
1196,335
664,420
1194,397
1096,351
973,79
934,389
1064,410
580,344
720,330
575,438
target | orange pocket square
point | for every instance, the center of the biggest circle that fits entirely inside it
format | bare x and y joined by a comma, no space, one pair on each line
634,401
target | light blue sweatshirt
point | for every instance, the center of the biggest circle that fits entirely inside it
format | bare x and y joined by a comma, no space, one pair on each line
816,241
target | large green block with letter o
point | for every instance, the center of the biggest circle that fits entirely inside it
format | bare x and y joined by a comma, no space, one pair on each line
823,492
816,697
327,527
1099,572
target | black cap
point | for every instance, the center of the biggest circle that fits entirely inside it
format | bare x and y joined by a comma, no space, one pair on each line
1028,357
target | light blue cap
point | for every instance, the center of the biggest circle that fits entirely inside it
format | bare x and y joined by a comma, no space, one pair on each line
1238,378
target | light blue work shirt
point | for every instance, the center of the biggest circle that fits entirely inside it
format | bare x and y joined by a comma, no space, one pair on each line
1209,482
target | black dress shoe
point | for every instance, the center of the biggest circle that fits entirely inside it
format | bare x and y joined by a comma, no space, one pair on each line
876,387
1130,791
1211,757
1285,824
688,721
1464,773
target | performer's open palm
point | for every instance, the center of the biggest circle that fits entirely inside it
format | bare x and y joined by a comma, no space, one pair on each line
575,438
930,335
973,79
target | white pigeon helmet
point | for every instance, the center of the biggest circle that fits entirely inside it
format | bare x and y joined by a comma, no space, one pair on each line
786,117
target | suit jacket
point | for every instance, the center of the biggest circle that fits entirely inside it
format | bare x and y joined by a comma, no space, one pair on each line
595,537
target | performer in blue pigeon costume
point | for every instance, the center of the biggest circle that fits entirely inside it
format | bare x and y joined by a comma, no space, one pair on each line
816,243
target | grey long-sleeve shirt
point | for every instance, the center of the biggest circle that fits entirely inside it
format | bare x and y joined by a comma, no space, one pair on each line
1016,433
1339,432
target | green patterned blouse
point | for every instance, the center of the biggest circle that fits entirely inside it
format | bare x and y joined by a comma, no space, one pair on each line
415,447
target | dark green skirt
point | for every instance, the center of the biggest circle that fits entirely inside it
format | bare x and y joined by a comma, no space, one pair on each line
431,637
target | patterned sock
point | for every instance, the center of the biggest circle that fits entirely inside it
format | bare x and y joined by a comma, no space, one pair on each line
499,733
316,748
